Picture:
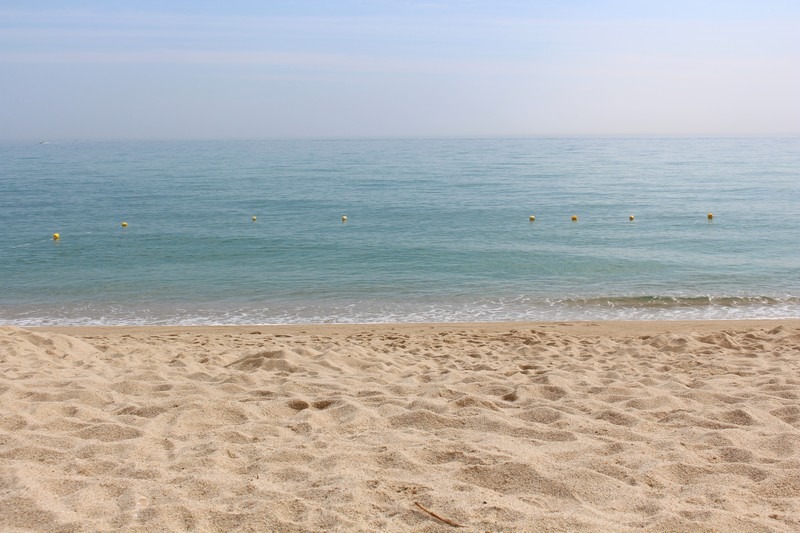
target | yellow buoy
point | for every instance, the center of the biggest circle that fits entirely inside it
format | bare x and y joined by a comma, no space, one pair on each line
710,216
254,218
344,219
630,218
574,218
56,236
532,218
124,224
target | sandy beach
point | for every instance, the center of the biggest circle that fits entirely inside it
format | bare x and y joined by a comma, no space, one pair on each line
661,426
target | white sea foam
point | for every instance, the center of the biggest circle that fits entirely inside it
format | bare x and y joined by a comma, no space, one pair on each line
382,312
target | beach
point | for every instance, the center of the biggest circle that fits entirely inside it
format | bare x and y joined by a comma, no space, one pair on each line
578,426
400,267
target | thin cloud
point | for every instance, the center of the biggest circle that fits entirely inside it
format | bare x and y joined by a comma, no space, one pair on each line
293,60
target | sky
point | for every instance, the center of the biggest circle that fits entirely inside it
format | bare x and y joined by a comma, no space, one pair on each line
392,68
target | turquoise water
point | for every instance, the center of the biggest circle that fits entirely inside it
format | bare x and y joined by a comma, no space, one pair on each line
437,230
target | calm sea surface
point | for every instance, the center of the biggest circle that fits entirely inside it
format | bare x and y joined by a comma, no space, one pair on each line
437,230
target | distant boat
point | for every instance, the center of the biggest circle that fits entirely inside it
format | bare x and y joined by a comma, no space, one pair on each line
44,142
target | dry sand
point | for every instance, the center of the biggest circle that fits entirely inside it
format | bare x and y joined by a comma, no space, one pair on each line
666,426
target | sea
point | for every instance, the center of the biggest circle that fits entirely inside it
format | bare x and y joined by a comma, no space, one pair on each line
436,230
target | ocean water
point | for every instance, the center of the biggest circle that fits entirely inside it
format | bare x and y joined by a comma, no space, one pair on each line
437,230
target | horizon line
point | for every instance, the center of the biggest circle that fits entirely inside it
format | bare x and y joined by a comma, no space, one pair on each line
42,140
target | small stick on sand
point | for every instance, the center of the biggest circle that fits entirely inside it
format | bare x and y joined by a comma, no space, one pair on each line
437,517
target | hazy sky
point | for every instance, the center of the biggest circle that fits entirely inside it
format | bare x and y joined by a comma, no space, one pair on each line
350,68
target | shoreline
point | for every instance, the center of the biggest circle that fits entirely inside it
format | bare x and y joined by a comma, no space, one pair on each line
594,327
